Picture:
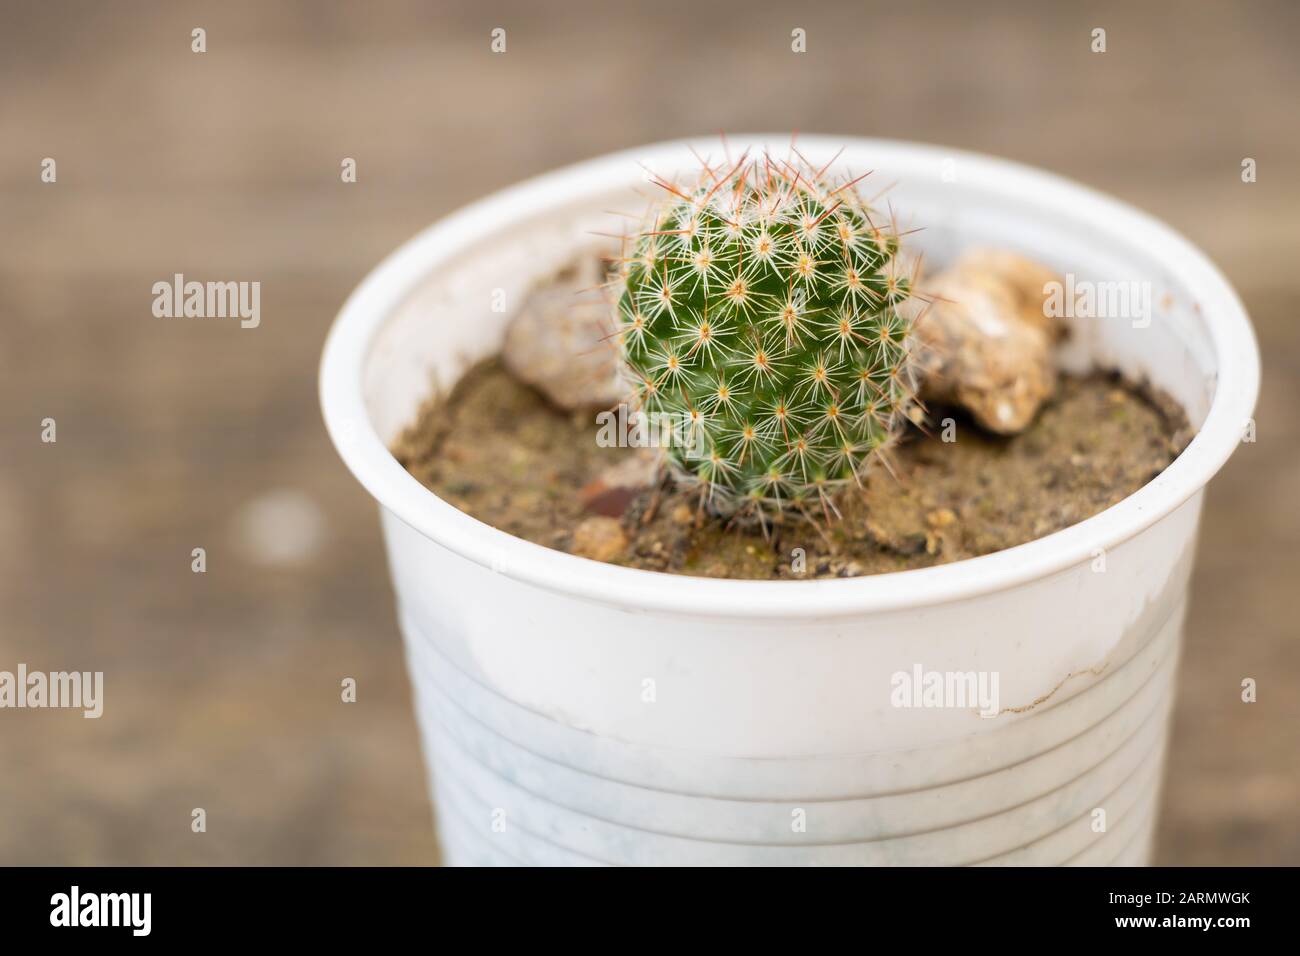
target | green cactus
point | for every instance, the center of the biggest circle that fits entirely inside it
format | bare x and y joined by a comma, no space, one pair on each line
759,310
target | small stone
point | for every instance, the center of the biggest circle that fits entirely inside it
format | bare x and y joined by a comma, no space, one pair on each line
876,533
560,342
682,515
599,538
636,468
913,544
610,502
940,518
611,491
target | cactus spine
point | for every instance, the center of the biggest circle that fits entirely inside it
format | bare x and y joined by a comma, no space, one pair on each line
759,311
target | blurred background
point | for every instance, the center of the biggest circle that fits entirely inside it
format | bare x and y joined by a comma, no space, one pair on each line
223,688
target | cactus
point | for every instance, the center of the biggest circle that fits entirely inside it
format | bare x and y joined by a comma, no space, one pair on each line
758,309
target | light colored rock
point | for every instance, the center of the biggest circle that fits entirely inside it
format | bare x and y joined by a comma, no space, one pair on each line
599,538
682,514
611,491
636,468
985,343
560,342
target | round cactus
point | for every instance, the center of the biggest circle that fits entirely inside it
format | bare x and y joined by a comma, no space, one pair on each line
759,313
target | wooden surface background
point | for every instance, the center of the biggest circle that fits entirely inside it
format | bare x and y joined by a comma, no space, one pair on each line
222,689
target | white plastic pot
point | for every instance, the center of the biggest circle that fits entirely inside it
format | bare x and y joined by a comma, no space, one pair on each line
579,712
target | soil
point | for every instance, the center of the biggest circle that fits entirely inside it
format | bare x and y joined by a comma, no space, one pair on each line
497,451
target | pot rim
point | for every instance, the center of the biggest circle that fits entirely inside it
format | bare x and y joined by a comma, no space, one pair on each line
389,283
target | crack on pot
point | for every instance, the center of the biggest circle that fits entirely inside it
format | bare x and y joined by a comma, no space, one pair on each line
1094,671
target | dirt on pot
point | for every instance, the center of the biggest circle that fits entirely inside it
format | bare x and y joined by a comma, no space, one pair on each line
495,449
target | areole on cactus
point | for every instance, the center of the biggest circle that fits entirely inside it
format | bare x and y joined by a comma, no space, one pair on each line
759,309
